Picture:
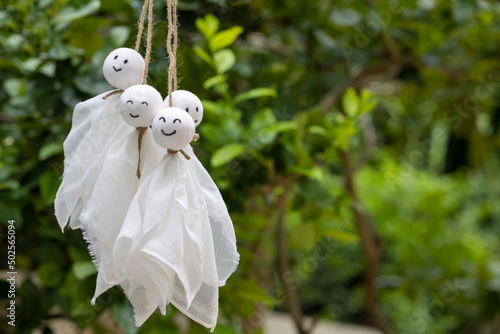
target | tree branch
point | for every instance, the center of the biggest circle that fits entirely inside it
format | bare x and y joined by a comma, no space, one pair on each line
370,244
284,265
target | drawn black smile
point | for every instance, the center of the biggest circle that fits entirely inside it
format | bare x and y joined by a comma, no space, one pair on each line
117,70
133,116
169,134
196,121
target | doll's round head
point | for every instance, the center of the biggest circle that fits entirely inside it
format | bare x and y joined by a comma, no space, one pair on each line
188,102
173,128
123,68
139,104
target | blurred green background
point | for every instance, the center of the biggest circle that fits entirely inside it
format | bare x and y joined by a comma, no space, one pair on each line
356,144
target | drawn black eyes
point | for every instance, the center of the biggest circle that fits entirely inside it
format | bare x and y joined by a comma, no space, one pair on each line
130,102
126,61
196,108
116,56
145,103
187,109
164,120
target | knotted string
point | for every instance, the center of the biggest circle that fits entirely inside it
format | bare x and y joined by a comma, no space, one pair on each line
141,131
172,49
118,91
182,152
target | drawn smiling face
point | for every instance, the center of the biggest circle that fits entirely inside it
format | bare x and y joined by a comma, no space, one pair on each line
139,104
173,128
188,102
123,68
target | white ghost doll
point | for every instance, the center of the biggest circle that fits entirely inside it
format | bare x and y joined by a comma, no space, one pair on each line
188,102
224,239
165,252
95,122
117,178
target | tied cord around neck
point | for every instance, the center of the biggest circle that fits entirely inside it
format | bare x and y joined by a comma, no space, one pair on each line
182,152
172,49
148,5
141,131
118,91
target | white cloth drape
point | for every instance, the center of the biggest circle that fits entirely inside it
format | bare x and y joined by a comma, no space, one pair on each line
112,191
95,122
167,234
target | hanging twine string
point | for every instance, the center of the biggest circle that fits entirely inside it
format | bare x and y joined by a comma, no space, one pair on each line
172,49
140,26
141,131
148,42
182,152
148,4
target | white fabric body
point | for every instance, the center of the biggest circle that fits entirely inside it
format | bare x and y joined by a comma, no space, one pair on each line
115,185
224,239
94,123
167,234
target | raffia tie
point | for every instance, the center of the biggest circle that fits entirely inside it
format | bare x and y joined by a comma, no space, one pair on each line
141,131
118,91
196,137
182,152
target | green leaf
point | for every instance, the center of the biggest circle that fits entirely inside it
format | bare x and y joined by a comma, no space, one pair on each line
212,81
69,13
226,153
224,60
343,135
83,269
50,149
49,183
203,55
84,34
122,312
118,35
367,101
339,235
462,10
188,6
225,38
317,130
50,273
303,238
254,94
350,102
14,86
208,26
262,119
345,17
